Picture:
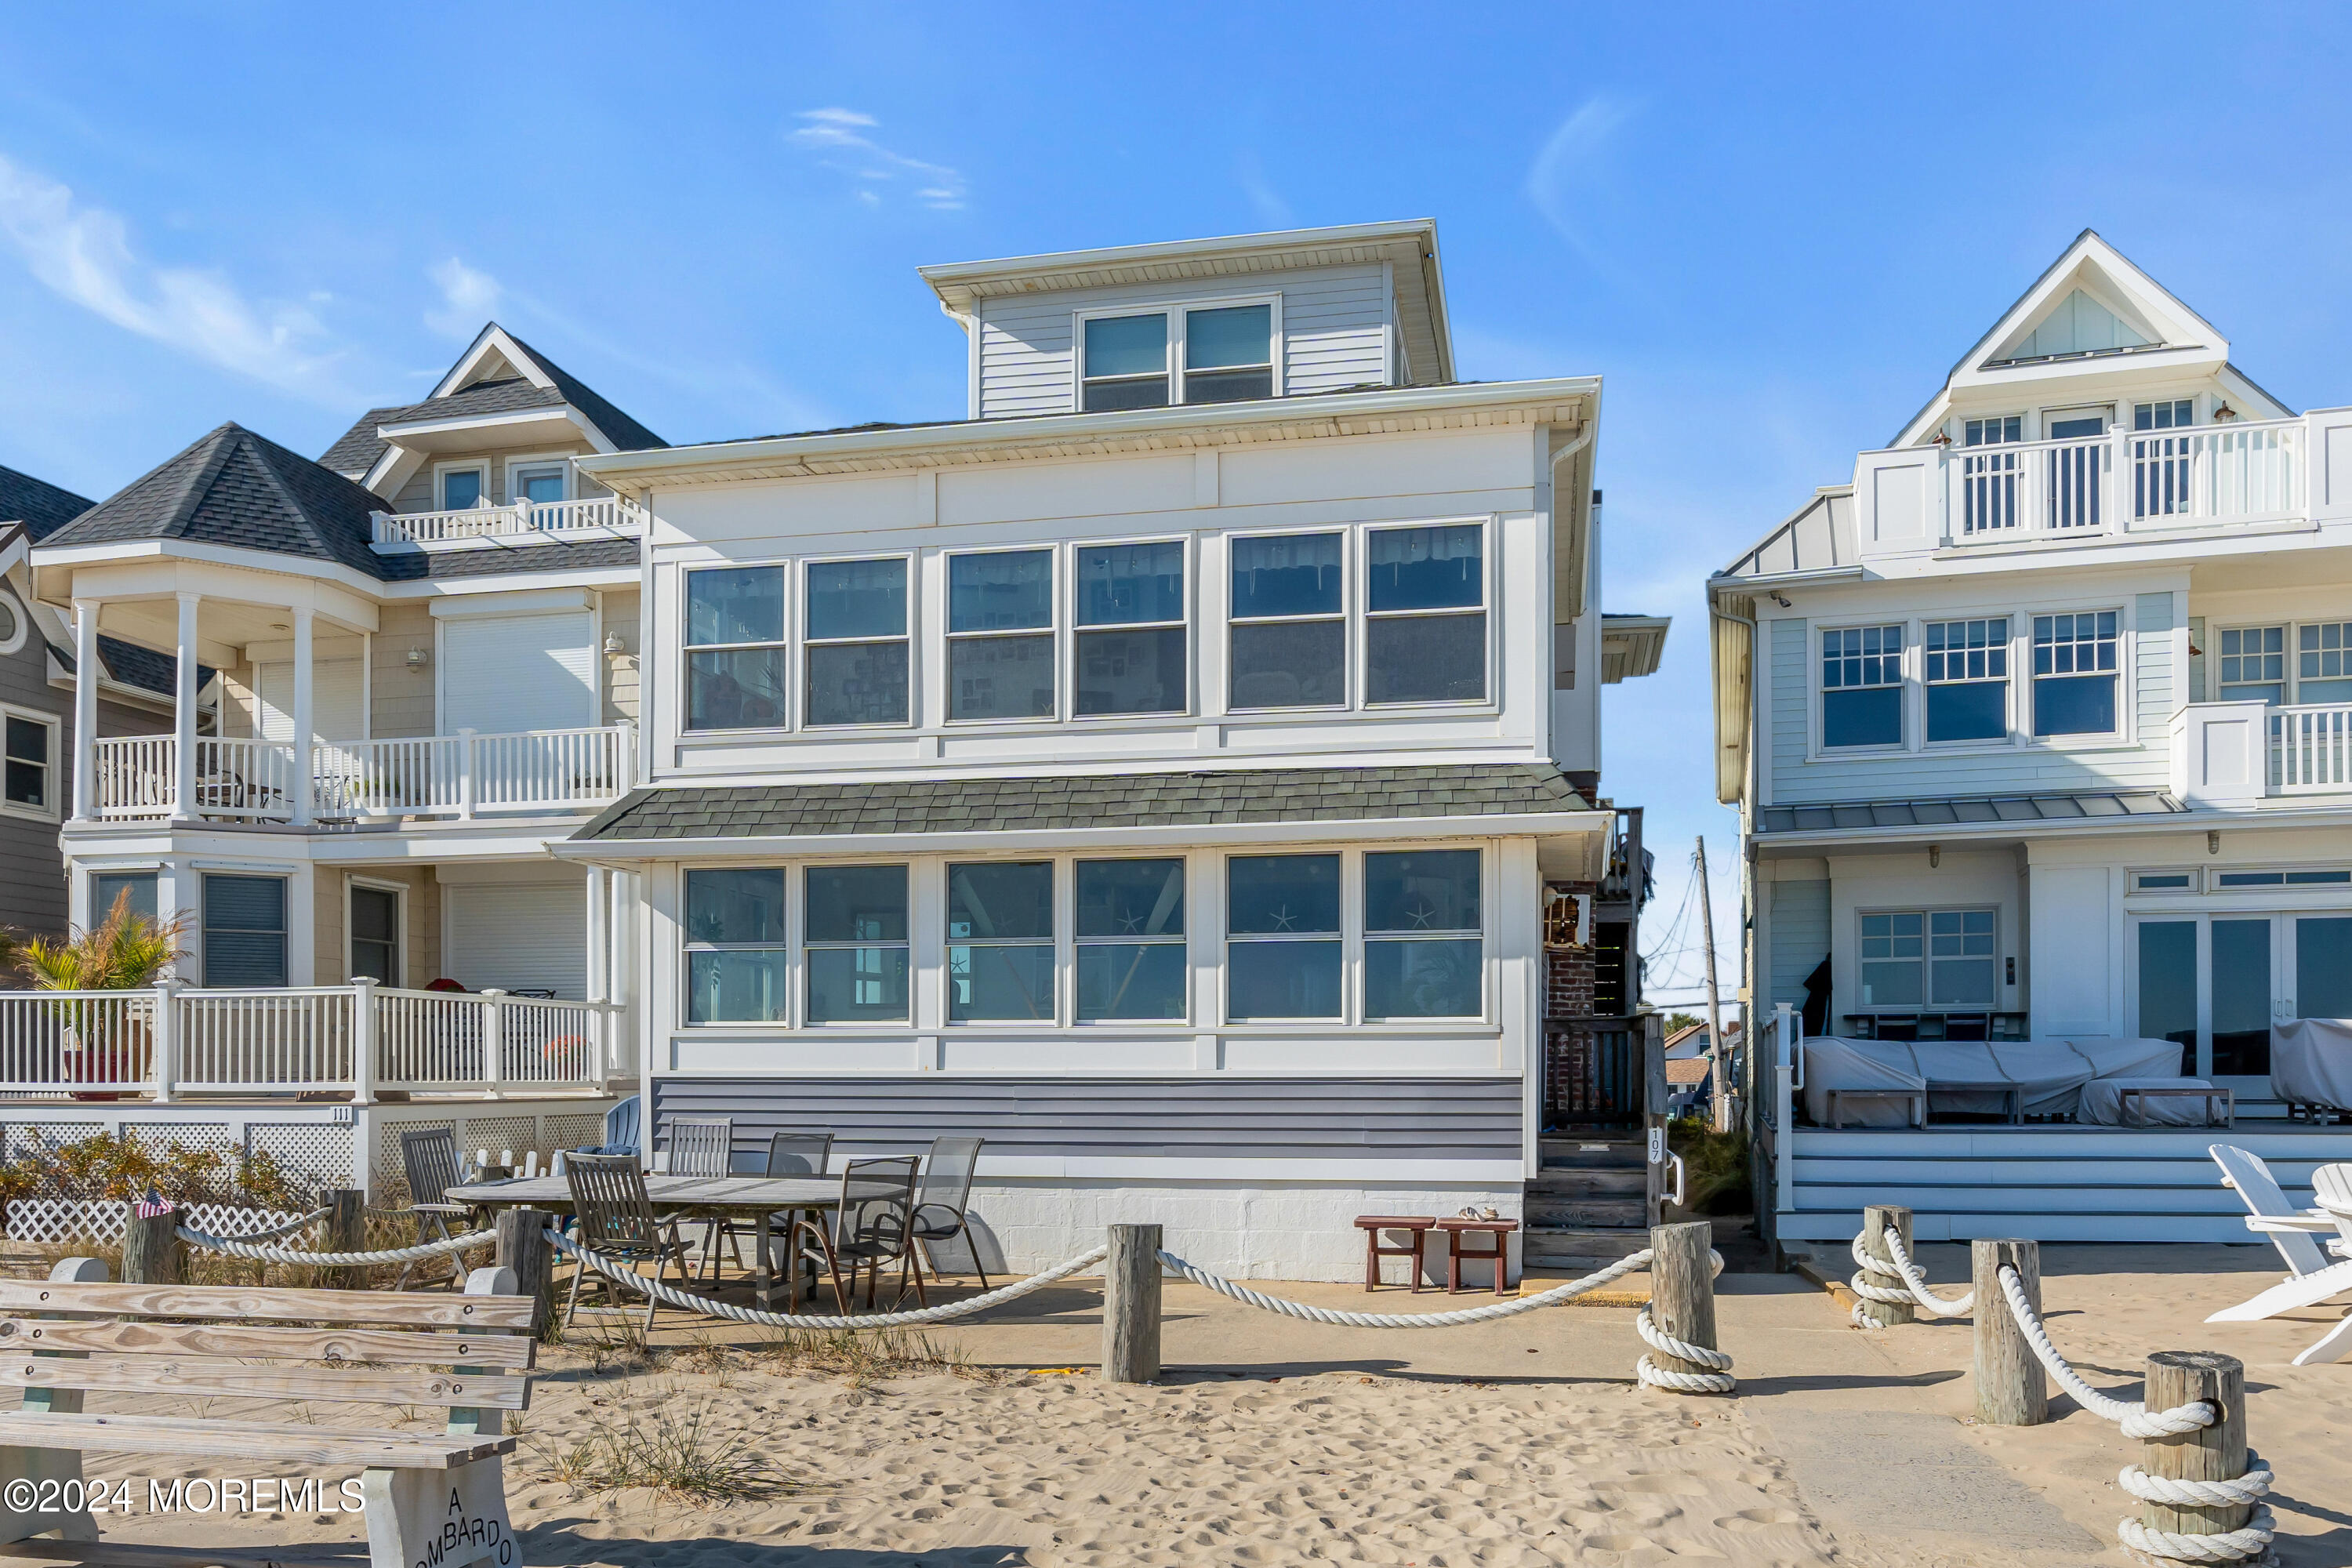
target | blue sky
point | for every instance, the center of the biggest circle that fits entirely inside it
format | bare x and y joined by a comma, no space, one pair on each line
1771,230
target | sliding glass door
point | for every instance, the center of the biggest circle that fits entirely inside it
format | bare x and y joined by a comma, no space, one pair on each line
2216,983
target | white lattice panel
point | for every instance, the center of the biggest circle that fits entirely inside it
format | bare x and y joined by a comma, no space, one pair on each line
569,1133
387,1168
318,1153
24,1137
38,1220
155,1137
499,1133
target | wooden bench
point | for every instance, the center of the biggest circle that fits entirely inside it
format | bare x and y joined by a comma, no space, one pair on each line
428,1497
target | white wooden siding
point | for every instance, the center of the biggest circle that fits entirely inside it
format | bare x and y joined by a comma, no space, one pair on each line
1911,776
337,710
1333,328
504,673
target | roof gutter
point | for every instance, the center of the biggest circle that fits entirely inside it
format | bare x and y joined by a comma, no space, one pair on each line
1734,662
1568,595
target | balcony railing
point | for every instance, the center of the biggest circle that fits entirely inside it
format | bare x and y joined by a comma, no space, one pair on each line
427,776
169,1042
2311,748
608,513
2134,478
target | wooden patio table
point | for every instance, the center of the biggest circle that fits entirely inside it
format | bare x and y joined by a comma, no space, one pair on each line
758,1196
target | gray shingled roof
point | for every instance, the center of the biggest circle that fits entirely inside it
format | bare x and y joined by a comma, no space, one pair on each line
358,448
43,508
1132,800
143,667
582,555
234,487
1964,811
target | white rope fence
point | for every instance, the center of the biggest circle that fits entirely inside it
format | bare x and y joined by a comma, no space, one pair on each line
1717,1380
704,1304
288,1228
2249,1543
1909,1289
235,1248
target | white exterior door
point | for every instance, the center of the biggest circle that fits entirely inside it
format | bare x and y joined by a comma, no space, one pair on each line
517,937
500,674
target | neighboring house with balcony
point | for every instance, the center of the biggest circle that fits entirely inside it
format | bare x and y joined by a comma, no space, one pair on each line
1163,771
425,645
2041,730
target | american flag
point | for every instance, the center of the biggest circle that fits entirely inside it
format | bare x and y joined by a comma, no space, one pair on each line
151,1205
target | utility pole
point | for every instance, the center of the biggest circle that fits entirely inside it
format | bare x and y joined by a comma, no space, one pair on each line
1718,1059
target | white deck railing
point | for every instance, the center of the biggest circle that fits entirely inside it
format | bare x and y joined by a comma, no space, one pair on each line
593,512
425,775
167,1042
2125,479
2311,748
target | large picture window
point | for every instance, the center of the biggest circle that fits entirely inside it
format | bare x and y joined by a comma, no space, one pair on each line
1283,949
2253,664
858,964
2074,673
857,655
735,956
1001,634
1130,636
32,761
1289,621
1425,628
1862,685
1130,939
736,658
1422,955
1967,674
999,941
1940,958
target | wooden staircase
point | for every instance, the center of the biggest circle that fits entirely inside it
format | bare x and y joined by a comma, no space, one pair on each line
1589,1204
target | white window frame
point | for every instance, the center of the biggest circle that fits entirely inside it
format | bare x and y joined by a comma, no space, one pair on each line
686,947
1909,705
682,682
2009,681
1066,940
2195,884
1058,600
1360,672
1927,1003
802,644
1365,936
1175,312
1351,938
1350,598
53,770
2295,676
399,890
1063,900
798,945
2126,694
513,466
1068,589
2290,660
1963,421
479,467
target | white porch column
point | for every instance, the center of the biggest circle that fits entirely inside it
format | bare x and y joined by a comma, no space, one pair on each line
600,934
302,717
183,713
85,709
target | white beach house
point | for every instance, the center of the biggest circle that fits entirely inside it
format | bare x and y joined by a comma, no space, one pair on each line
1157,771
2041,730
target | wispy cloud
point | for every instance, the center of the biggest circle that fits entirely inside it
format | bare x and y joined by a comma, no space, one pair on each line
840,140
1271,207
83,253
1571,182
469,297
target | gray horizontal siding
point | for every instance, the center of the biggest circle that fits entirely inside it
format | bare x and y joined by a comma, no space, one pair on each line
1179,1117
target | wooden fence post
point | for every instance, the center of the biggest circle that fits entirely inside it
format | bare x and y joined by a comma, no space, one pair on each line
1875,1219
2215,1453
2012,1388
1681,1290
522,1246
153,1252
346,1224
1131,1305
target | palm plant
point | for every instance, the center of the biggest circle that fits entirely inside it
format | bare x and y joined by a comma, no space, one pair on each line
122,952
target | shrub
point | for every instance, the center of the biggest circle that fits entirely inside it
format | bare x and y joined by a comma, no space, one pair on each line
1714,1167
110,1166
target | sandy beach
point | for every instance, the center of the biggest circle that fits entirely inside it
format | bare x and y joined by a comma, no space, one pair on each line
1522,1441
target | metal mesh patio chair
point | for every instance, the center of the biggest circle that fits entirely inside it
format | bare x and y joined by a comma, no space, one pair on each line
947,1190
795,1155
617,1221
428,1157
704,1146
868,1231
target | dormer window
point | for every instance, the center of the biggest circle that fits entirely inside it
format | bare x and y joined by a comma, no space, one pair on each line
2002,429
1127,363
539,483
461,488
1217,354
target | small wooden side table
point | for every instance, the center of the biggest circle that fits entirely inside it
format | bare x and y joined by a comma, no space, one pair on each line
1372,1225
1499,1249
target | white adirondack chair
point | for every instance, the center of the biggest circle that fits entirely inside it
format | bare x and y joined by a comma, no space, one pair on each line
2314,1279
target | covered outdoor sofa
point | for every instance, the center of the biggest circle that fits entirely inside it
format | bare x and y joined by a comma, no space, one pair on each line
1875,1080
